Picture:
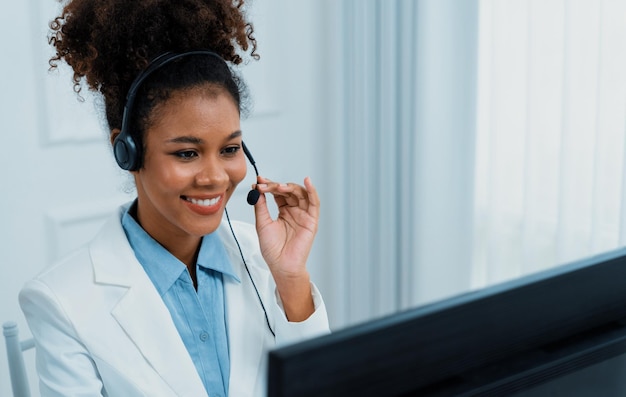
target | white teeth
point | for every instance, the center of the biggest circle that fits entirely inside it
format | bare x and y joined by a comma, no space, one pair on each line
204,203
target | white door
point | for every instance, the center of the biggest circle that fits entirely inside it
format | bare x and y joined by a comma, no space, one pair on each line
58,176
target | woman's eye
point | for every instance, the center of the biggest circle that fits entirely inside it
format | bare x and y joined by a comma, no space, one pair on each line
231,150
186,154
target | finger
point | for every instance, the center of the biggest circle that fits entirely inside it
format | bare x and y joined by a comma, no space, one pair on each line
281,189
281,201
300,198
262,181
296,201
313,198
265,185
293,195
261,213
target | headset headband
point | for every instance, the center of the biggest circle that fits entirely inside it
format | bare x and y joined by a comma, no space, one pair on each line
126,150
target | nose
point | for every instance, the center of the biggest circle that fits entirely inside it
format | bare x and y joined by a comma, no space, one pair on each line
211,172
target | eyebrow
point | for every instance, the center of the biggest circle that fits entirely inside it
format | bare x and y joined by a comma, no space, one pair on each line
196,140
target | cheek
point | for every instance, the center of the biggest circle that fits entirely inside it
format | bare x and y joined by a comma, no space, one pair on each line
237,172
169,177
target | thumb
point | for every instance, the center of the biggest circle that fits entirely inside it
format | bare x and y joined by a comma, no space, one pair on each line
261,213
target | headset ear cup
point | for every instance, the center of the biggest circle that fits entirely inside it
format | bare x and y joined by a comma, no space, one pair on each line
125,152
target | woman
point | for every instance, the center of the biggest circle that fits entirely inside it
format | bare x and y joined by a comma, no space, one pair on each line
170,299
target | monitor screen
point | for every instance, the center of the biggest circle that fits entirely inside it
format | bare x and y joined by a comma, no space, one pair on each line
538,332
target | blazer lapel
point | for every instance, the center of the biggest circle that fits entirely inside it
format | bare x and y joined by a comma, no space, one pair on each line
148,323
247,328
142,313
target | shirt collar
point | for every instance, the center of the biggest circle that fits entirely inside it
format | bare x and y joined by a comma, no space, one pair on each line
213,256
163,267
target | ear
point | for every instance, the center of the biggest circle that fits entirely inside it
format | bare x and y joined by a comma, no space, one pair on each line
114,133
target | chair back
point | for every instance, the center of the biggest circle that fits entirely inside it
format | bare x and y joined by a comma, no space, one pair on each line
17,369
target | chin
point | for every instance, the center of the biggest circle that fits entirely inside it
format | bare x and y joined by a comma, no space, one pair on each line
204,228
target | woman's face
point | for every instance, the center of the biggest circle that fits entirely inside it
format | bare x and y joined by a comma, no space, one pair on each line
192,163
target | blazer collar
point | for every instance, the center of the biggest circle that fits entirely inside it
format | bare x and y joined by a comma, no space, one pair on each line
141,311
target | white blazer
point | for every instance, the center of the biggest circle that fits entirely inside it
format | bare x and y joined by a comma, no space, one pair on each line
102,329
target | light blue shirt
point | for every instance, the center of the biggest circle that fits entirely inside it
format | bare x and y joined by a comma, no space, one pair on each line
200,317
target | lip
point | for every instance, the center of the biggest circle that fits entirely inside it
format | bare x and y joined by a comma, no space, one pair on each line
203,209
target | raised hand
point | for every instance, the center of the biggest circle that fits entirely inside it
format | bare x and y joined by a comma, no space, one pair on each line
287,240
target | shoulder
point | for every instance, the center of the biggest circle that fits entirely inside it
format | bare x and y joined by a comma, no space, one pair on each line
77,266
58,272
239,233
242,243
75,291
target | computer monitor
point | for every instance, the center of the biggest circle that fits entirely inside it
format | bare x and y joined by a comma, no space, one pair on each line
509,339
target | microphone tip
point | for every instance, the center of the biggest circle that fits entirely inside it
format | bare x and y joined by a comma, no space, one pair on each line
253,196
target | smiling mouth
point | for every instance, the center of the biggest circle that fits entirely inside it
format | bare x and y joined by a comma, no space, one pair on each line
205,202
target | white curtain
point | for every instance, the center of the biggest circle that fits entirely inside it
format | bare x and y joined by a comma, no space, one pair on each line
550,141
397,124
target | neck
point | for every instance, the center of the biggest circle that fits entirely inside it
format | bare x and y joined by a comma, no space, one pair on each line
184,247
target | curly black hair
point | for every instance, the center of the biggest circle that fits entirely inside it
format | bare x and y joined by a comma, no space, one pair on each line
109,42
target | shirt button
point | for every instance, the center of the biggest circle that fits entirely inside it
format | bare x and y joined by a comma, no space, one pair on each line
204,336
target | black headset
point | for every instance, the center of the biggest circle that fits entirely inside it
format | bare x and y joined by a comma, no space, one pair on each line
128,153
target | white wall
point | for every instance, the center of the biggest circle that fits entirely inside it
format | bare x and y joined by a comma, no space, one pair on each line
59,182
